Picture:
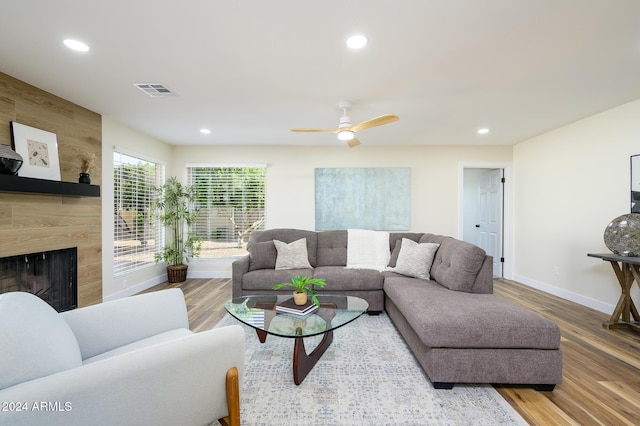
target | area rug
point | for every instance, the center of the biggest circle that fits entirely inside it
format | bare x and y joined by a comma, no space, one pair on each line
368,376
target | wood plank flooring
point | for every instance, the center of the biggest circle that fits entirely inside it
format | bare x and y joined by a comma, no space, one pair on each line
601,368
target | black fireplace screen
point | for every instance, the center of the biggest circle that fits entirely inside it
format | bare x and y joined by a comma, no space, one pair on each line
50,275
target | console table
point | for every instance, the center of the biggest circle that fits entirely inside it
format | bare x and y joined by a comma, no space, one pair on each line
627,270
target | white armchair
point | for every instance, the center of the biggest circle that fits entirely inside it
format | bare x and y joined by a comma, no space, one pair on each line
131,361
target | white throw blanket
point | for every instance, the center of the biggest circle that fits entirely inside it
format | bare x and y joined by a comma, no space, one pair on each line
367,249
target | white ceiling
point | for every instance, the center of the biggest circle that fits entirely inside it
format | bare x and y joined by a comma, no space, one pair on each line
251,69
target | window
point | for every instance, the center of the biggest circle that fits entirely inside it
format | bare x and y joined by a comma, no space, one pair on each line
231,204
135,235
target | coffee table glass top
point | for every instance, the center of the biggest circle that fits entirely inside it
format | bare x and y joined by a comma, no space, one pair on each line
260,313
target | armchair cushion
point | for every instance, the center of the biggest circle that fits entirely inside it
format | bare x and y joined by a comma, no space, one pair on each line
107,326
167,336
36,341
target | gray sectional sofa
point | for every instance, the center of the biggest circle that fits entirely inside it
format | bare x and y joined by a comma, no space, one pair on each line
458,330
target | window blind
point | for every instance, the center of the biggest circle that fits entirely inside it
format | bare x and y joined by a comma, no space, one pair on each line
136,236
231,202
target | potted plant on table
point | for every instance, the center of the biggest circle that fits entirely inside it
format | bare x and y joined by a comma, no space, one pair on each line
171,208
302,285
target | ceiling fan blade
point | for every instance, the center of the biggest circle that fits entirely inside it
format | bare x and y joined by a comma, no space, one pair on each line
314,130
353,142
378,121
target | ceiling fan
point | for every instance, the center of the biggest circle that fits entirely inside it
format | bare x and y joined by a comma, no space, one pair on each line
346,131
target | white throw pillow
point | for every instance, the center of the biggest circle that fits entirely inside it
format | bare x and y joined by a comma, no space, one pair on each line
367,249
293,255
415,259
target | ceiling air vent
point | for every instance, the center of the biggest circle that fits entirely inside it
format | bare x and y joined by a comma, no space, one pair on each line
155,90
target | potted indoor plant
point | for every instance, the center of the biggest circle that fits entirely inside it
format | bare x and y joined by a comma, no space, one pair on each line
87,161
172,208
302,285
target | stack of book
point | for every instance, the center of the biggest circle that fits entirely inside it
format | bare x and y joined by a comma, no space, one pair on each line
289,307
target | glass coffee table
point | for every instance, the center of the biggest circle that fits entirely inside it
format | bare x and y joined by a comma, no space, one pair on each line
260,313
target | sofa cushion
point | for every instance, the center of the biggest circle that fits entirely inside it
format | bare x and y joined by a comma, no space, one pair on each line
36,340
465,320
415,259
262,255
456,264
293,255
396,237
287,235
339,278
332,248
265,279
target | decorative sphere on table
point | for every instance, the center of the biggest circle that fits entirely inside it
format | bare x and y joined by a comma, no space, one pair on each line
622,235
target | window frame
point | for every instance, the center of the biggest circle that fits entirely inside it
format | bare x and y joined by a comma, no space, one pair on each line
228,246
149,230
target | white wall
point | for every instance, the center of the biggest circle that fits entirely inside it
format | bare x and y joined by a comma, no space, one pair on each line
117,135
569,184
290,190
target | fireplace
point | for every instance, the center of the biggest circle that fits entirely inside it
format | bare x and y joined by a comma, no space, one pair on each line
50,275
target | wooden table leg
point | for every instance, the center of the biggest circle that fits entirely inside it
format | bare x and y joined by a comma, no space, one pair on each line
303,363
625,310
262,335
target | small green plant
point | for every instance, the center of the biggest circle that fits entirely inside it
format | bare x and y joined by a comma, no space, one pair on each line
303,284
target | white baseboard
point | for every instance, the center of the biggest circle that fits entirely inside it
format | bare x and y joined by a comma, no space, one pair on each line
565,294
130,291
209,274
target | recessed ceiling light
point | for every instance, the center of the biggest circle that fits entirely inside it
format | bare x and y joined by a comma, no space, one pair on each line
483,131
356,41
205,131
76,45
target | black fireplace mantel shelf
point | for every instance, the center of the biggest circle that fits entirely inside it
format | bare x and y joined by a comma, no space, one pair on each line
9,183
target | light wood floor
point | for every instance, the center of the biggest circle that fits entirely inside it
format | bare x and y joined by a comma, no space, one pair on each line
601,368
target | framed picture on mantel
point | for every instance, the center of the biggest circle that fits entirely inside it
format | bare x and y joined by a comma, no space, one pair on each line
635,183
39,151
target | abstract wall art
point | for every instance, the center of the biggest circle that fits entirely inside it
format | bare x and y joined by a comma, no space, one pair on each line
376,198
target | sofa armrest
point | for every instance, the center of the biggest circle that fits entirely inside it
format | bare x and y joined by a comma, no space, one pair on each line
238,268
106,326
181,382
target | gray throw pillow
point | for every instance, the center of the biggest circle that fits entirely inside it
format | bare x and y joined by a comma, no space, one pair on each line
262,255
293,255
414,259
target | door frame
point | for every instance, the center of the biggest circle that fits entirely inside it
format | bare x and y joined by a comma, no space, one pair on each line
507,208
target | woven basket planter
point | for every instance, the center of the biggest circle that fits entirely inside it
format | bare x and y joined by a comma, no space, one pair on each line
177,273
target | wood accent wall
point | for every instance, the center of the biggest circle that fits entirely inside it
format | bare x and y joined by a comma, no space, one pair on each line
37,222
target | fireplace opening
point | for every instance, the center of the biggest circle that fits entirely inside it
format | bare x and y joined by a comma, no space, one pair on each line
50,275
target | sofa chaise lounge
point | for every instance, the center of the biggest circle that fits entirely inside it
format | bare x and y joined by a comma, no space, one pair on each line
458,330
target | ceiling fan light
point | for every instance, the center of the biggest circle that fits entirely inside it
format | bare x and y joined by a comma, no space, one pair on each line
345,135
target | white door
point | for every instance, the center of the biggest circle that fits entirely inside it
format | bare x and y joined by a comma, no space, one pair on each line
489,224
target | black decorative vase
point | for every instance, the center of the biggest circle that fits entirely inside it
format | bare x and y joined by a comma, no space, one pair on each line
10,161
84,178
